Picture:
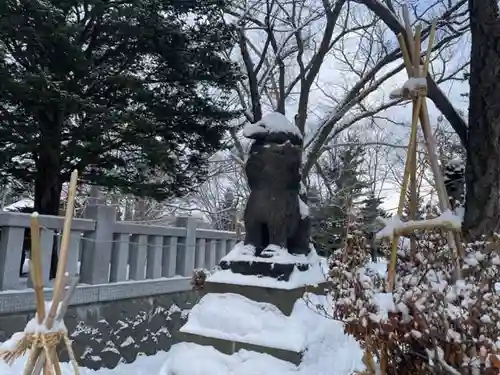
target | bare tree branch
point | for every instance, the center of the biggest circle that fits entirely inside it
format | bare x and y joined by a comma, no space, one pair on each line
433,91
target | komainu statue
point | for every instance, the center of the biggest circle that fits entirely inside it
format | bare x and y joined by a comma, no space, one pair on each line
276,217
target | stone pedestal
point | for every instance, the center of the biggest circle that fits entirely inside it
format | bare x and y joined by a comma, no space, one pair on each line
283,299
278,271
225,316
231,347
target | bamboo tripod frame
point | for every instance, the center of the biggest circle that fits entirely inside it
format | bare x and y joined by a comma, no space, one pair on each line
42,345
411,50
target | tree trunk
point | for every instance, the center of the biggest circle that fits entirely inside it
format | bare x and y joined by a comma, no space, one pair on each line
482,207
48,184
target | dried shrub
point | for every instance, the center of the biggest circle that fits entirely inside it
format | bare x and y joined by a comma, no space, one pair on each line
198,279
430,323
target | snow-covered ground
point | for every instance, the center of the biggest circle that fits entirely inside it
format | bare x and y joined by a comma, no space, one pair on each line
328,351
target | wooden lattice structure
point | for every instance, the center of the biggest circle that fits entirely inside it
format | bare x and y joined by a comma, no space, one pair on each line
43,334
416,90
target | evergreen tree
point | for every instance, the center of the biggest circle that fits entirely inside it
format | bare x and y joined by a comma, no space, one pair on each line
452,156
227,212
370,210
369,213
419,214
349,187
330,221
129,93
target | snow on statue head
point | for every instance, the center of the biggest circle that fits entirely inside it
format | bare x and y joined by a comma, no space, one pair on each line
275,216
274,128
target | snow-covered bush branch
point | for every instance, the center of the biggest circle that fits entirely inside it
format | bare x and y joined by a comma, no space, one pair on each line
430,323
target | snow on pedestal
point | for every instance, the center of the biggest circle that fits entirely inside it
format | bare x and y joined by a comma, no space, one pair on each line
242,252
325,347
235,318
314,275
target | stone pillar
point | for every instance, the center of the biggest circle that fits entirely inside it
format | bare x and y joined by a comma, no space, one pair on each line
97,245
186,250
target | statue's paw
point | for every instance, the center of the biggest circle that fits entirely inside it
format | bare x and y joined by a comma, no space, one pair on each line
272,251
248,250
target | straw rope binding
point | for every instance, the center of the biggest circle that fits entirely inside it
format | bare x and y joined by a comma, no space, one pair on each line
48,340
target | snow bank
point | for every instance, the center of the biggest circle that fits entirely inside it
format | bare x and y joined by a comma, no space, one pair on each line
329,352
273,122
192,359
236,318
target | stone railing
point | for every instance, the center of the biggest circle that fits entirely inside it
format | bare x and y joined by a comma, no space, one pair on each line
109,253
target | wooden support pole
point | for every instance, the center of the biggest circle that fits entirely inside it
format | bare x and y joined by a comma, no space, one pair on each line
60,316
403,193
46,359
63,252
417,72
413,197
406,47
36,267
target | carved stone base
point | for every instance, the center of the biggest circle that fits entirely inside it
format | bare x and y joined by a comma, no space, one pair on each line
283,299
226,321
231,347
278,271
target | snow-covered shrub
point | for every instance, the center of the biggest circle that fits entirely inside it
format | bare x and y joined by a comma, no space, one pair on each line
430,323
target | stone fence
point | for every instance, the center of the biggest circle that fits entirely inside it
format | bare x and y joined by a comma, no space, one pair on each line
115,259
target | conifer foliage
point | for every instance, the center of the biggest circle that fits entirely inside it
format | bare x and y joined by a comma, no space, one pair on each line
334,216
131,93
